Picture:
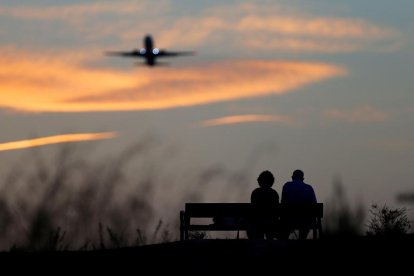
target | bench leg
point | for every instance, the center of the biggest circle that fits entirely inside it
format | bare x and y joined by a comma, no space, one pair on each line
181,234
320,228
182,225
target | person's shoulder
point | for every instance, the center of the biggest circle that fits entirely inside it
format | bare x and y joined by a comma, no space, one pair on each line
309,186
274,191
308,189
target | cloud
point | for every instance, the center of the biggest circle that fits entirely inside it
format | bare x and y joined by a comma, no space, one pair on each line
283,33
270,29
329,27
49,140
361,114
94,21
247,118
245,27
64,84
72,12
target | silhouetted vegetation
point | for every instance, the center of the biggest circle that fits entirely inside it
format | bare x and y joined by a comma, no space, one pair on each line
388,222
341,219
72,200
67,202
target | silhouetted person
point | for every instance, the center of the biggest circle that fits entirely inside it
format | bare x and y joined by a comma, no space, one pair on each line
263,199
298,192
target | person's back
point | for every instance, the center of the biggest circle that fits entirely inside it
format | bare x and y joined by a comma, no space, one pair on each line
265,197
263,200
298,192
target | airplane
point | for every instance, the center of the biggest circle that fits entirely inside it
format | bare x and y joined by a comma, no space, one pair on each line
149,52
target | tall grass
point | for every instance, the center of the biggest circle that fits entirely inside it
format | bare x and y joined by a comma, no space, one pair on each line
71,199
68,202
341,218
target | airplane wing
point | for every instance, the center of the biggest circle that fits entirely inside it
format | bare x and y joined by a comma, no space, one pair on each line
164,53
134,53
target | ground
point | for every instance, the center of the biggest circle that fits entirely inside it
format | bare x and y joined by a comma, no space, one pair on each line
337,255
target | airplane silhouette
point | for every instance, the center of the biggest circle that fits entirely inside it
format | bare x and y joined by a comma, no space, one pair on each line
149,52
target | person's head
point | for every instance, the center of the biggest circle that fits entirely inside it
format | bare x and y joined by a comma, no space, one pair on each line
266,179
298,175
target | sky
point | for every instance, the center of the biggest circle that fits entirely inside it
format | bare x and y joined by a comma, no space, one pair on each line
322,86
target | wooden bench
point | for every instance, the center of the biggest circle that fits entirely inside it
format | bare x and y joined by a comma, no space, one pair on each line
237,215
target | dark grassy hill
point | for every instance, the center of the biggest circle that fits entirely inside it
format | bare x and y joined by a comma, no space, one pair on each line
326,255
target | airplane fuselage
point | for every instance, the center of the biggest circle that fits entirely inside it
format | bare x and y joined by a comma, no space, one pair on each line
149,51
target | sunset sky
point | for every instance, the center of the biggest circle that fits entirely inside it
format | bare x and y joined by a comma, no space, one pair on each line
325,86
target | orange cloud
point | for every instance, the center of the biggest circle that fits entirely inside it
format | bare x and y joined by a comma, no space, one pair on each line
330,27
65,138
333,35
362,114
247,118
72,12
49,84
248,26
254,28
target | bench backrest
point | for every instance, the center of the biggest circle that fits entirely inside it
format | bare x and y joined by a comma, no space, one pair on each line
206,210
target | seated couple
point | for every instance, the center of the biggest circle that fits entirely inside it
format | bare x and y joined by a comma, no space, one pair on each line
264,198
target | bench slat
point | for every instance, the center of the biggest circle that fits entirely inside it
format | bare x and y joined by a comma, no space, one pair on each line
207,210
